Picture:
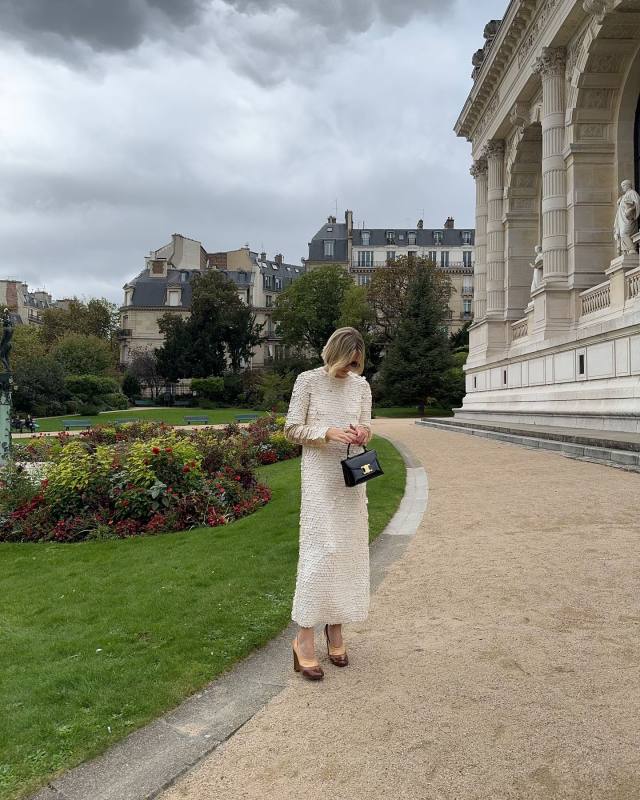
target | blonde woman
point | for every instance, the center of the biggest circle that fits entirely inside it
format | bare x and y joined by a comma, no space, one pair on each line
330,408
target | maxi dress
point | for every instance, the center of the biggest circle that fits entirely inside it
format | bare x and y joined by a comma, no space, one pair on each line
332,582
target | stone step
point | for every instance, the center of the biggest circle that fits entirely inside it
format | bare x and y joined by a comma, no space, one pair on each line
610,447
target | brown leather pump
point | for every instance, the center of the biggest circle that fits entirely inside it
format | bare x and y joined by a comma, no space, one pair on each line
311,670
337,656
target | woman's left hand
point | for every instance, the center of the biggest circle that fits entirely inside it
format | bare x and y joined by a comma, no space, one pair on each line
361,432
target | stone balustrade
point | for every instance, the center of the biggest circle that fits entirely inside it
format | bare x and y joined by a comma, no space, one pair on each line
597,298
519,329
632,284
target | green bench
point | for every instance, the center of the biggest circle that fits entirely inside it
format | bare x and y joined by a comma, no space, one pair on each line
246,417
196,420
76,423
147,401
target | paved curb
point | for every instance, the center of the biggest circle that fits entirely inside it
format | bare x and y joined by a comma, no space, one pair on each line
609,457
148,761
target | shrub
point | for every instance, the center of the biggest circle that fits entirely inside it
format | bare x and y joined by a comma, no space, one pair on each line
209,388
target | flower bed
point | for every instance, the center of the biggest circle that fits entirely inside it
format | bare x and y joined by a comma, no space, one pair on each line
139,478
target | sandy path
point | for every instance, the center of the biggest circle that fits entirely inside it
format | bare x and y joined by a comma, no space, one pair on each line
501,657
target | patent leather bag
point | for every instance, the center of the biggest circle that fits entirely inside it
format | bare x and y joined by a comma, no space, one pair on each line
361,467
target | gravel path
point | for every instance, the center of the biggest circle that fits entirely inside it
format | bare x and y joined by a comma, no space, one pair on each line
501,657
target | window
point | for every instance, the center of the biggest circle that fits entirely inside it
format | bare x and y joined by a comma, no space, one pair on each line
391,255
366,235
365,258
363,280
173,297
466,237
466,308
475,382
504,377
444,258
391,237
411,237
581,364
329,248
437,237
278,283
433,256
466,258
412,254
467,285
268,300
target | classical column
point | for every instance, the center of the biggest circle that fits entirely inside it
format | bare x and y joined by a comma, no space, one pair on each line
479,172
495,228
551,67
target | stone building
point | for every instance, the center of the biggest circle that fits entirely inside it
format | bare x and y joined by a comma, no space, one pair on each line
363,250
553,120
165,285
28,306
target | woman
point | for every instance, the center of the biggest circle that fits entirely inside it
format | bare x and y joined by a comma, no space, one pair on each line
330,408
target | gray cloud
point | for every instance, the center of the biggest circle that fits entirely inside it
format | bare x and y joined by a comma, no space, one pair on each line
102,25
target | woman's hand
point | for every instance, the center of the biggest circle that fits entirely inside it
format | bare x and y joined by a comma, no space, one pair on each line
344,435
361,432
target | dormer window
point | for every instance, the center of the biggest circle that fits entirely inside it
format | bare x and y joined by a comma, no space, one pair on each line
438,237
391,237
329,248
174,297
411,237
466,237
366,237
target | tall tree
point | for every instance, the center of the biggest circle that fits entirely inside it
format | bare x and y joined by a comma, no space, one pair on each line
83,355
417,359
309,309
97,317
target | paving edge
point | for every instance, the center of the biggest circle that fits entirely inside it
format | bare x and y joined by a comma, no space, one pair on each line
607,456
151,759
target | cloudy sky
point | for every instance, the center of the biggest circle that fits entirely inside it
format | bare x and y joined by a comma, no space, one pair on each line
230,121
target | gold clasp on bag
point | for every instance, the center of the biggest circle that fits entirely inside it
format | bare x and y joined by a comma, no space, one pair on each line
366,468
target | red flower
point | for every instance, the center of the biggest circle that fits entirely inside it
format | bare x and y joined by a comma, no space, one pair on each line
168,450
155,451
186,469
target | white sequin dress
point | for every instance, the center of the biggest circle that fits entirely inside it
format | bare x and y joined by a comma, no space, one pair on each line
332,583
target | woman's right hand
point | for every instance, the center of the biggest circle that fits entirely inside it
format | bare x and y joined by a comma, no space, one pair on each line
343,435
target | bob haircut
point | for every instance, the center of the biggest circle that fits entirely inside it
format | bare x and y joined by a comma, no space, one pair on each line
339,350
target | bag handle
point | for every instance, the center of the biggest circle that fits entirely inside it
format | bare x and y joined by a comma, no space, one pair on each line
362,445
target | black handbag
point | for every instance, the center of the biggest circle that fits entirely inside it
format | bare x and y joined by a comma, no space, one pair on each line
361,467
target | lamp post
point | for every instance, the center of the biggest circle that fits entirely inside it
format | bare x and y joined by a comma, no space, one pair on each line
6,384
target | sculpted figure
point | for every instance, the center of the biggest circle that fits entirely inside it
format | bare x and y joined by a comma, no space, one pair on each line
5,341
626,221
537,267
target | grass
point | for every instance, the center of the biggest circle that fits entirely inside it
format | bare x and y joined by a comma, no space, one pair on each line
172,416
411,411
99,638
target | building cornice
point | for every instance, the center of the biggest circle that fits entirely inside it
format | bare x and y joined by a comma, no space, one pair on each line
517,35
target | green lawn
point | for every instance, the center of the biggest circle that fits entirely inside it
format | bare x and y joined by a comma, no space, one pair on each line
172,416
99,638
411,411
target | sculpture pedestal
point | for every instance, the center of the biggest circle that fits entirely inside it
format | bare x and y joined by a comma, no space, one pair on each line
5,418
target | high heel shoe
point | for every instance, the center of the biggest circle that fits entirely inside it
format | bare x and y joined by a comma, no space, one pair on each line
312,671
339,656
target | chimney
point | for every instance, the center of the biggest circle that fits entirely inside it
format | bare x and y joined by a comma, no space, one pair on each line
278,259
331,220
450,223
420,224
348,219
263,256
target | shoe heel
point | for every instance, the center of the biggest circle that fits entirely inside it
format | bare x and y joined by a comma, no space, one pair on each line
296,663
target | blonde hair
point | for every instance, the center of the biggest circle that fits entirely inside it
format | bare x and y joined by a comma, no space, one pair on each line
339,350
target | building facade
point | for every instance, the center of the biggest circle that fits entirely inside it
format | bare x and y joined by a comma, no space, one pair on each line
28,306
553,121
363,250
165,285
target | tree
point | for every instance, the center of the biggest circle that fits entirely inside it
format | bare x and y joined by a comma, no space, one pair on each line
416,360
144,367
98,318
309,310
174,359
357,312
83,355
459,340
27,344
219,323
40,386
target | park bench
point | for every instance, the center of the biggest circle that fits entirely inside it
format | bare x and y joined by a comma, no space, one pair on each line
76,423
145,401
196,420
246,417
20,425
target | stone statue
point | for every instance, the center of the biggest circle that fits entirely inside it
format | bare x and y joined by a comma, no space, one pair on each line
5,341
537,268
626,221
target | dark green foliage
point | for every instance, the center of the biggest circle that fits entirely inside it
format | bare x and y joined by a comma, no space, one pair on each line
208,388
40,387
196,347
95,393
416,361
131,385
460,338
83,355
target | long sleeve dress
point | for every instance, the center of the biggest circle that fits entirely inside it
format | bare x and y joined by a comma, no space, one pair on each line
332,583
